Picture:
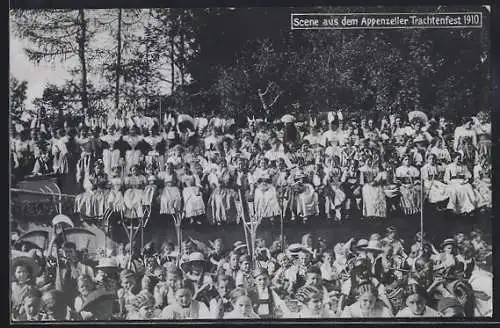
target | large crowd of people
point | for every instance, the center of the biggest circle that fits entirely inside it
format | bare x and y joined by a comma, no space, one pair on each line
377,277
218,172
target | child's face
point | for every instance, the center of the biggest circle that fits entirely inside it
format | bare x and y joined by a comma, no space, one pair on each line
128,284
21,274
223,288
313,279
366,301
171,280
315,305
233,261
183,297
262,281
243,305
32,306
245,266
327,258
448,249
416,304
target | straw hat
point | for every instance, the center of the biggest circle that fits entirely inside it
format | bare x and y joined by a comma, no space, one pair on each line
374,246
361,244
96,296
448,241
107,263
194,258
239,245
295,249
28,262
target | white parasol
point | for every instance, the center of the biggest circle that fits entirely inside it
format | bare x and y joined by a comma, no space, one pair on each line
418,115
288,118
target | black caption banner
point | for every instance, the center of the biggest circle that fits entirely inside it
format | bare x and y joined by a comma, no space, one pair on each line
308,21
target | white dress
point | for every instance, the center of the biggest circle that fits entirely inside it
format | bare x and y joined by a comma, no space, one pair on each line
462,198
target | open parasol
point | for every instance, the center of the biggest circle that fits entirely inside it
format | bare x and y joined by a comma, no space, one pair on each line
62,220
81,237
35,237
287,118
186,122
418,115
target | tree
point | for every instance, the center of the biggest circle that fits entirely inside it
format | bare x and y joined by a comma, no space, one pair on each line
58,35
17,95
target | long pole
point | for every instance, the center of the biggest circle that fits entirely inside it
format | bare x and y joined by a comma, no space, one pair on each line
421,214
243,220
160,112
282,228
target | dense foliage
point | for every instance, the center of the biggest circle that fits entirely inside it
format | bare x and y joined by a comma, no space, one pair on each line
216,61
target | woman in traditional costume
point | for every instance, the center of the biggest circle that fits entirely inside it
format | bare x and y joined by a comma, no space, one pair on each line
170,199
111,157
461,195
483,131
334,195
465,141
222,205
372,179
266,204
351,185
133,156
60,153
25,270
408,177
194,206
434,189
134,194
482,183
307,198
115,199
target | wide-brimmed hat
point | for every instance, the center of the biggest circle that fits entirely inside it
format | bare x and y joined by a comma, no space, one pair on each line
194,258
296,248
239,245
107,263
361,244
374,246
448,241
98,295
28,262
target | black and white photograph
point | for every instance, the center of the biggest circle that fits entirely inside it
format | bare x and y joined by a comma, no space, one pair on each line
260,163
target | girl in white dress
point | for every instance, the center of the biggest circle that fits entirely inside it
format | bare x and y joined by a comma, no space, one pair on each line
462,198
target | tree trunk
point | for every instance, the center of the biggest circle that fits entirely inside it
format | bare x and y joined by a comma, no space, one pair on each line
181,49
81,55
118,60
172,61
